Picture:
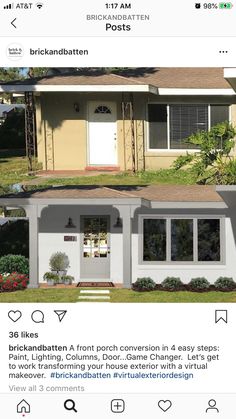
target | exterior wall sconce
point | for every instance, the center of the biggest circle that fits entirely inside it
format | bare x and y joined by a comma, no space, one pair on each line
76,107
118,223
70,223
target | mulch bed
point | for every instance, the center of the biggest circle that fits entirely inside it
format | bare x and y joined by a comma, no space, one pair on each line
185,287
95,284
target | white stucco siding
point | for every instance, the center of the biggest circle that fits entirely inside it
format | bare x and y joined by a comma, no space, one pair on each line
188,271
50,243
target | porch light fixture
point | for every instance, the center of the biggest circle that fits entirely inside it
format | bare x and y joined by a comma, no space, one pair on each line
118,223
76,107
70,223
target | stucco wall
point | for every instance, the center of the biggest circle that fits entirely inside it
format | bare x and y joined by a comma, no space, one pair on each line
51,238
63,133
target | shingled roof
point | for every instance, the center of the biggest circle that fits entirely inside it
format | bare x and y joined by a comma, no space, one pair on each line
155,193
163,77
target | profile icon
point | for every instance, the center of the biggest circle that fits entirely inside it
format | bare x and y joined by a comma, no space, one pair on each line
212,406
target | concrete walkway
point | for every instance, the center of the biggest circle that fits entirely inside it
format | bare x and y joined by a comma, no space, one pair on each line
94,295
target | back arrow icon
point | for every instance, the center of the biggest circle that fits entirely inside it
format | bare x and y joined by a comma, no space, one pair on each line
12,22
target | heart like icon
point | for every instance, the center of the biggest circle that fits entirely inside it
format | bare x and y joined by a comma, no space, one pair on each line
14,315
164,405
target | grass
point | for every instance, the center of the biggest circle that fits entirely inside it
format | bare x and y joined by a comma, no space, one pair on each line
117,296
13,169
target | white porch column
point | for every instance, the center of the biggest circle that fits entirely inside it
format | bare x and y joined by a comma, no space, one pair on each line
126,216
32,214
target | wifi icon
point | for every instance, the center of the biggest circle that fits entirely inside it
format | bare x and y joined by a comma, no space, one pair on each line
39,5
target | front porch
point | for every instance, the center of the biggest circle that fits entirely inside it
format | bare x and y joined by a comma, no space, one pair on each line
92,225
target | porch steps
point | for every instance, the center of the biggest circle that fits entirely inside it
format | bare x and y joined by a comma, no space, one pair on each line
91,295
95,292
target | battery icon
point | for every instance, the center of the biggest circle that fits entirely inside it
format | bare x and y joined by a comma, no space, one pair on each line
225,5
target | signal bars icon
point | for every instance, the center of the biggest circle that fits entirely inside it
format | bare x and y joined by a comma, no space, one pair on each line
9,6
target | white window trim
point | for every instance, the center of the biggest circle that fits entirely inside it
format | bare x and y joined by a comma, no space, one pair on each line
195,218
179,150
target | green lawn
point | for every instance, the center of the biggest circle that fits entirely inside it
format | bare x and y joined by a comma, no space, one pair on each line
117,296
13,169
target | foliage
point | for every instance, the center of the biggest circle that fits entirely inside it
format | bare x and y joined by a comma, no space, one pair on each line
215,145
199,284
14,263
10,73
50,275
68,278
14,239
12,131
225,284
59,262
13,282
144,284
172,284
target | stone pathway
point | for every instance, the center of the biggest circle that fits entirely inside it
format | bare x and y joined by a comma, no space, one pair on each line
91,295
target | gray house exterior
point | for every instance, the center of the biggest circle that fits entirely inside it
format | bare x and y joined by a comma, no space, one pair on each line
118,234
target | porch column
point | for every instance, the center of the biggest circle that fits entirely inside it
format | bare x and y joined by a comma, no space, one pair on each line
32,214
125,214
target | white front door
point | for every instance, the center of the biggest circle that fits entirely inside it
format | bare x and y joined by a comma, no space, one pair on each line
102,133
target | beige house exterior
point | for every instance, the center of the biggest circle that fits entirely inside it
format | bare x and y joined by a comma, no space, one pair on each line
135,120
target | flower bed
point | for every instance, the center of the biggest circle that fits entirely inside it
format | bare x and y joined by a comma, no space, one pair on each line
13,282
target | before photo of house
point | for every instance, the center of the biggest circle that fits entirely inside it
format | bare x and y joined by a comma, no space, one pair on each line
115,234
135,119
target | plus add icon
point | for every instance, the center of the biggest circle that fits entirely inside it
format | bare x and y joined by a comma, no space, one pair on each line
117,406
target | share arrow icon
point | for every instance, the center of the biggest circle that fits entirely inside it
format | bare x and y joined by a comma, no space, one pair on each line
61,314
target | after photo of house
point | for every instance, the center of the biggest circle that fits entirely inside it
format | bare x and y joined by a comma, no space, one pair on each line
118,185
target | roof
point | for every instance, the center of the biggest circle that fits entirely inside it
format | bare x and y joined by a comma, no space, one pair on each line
6,108
163,77
156,193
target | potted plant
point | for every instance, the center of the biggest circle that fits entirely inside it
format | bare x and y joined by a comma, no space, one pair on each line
59,263
51,278
67,279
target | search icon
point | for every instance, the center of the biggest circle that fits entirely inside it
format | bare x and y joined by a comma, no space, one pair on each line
69,404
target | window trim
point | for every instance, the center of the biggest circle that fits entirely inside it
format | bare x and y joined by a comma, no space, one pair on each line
195,218
189,150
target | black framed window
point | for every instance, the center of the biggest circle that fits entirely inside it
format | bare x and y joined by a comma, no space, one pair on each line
209,240
182,240
154,240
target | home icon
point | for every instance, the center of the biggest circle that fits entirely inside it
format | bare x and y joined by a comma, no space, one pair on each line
23,407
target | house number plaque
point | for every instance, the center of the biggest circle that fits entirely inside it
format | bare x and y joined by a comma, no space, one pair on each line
70,239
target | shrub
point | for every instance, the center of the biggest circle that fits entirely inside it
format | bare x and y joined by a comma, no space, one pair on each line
14,263
67,279
50,275
199,284
144,284
225,284
172,284
13,282
59,262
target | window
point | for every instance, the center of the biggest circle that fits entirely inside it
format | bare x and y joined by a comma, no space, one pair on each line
171,125
181,240
102,109
95,240
154,240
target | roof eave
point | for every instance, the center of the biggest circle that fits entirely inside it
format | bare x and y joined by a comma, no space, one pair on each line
133,88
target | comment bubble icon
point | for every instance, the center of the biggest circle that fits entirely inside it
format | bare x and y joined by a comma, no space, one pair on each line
37,316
